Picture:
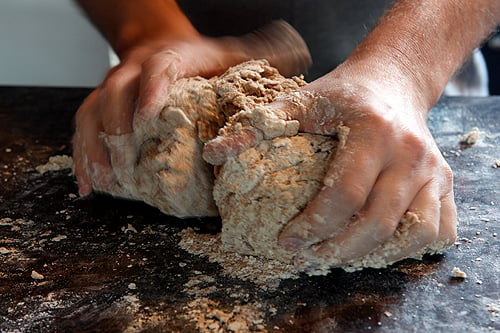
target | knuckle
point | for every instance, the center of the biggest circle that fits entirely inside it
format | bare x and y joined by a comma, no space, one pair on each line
114,82
86,109
80,116
355,195
153,61
381,120
385,228
447,175
429,232
117,80
417,144
159,60
419,149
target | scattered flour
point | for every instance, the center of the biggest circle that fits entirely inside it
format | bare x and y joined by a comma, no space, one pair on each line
264,272
56,163
210,317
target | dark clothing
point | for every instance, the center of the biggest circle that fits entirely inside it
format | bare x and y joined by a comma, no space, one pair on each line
331,28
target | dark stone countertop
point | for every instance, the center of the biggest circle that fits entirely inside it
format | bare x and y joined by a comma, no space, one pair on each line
89,262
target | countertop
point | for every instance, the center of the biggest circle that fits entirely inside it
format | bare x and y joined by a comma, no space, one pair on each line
111,265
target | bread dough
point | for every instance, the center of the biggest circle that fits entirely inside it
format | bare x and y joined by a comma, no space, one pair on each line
169,171
263,188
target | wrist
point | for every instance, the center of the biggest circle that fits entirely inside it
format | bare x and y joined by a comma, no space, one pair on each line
139,35
418,45
387,78
402,64
127,24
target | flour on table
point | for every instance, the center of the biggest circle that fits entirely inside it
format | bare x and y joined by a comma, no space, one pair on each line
210,317
264,272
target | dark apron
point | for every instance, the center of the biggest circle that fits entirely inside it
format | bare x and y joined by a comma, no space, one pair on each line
331,28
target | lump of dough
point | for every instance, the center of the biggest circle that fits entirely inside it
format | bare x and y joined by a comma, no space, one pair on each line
264,187
169,171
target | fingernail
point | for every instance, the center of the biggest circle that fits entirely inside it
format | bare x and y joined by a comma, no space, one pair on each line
292,243
84,190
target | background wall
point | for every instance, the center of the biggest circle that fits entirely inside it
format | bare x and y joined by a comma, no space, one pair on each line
49,43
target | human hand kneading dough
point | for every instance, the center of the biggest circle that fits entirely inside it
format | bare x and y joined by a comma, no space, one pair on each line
376,102
164,50
387,163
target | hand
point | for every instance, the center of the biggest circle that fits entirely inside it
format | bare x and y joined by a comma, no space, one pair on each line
387,163
134,91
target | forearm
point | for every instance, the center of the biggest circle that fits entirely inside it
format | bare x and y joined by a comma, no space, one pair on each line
420,44
126,23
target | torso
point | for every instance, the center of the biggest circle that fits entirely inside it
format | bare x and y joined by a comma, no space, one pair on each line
331,28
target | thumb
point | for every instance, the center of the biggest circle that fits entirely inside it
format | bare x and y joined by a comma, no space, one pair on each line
246,129
303,111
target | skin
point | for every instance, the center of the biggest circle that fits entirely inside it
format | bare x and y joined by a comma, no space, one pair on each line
388,163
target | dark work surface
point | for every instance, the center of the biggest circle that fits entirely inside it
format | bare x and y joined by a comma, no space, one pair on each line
87,274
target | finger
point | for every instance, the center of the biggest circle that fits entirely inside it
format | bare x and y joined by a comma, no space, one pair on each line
412,239
91,161
82,172
117,99
123,155
377,222
157,73
347,184
219,149
116,104
281,45
447,225
82,177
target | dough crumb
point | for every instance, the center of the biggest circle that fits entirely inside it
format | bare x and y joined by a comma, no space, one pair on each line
494,309
129,228
56,163
210,317
458,273
59,238
472,137
36,276
4,250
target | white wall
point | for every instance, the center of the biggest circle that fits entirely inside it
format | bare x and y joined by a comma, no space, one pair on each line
49,43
